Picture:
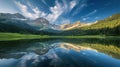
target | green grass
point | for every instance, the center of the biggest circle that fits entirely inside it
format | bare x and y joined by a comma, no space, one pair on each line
17,36
110,49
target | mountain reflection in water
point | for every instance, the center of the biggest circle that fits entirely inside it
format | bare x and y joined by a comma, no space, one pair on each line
58,54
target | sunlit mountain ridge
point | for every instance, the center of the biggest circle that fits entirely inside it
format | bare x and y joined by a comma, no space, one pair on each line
19,24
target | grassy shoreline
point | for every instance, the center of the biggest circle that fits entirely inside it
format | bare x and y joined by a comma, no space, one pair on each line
17,36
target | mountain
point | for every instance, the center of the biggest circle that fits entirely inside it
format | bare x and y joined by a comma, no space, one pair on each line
42,24
12,16
5,27
108,26
77,24
8,24
39,23
17,23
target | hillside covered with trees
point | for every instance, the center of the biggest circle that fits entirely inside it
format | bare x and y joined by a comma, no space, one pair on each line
108,26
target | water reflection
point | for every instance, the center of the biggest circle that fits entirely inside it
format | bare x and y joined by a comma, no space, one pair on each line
57,53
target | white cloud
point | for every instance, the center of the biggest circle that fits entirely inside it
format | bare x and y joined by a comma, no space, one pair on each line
79,9
85,18
24,9
38,12
65,6
43,1
81,4
72,4
96,17
56,10
65,21
91,13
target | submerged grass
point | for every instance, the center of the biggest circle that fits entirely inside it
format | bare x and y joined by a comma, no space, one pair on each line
108,49
101,45
107,46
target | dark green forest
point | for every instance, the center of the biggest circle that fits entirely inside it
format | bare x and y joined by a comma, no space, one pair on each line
17,26
108,26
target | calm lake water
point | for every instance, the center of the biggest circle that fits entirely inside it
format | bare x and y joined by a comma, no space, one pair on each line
60,53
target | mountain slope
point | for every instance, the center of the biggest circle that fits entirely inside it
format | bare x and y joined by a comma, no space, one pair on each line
12,16
108,26
15,26
14,23
42,24
70,26
77,24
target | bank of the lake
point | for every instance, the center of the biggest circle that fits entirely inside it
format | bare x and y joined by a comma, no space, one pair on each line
17,36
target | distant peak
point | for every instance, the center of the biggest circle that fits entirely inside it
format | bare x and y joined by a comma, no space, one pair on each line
17,14
10,16
78,22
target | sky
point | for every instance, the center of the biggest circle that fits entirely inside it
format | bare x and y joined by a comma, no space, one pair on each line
62,11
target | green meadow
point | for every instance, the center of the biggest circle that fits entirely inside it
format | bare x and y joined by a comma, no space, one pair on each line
17,36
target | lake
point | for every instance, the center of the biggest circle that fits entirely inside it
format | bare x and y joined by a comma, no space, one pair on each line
85,52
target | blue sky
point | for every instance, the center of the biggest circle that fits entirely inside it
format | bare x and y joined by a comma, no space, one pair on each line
62,11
